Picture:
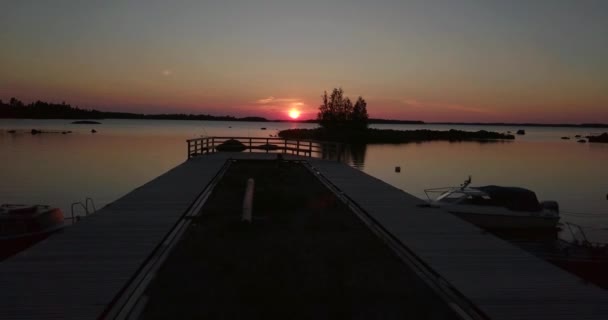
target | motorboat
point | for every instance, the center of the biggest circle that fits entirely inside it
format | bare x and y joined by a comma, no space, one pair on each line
495,207
572,251
22,226
580,256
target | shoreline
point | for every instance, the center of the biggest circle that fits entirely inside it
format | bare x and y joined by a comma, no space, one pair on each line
381,136
372,121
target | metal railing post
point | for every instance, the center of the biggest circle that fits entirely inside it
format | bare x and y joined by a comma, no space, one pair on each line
310,148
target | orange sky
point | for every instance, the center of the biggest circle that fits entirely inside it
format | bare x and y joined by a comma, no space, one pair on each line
465,61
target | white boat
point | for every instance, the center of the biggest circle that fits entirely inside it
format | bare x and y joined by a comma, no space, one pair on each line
495,207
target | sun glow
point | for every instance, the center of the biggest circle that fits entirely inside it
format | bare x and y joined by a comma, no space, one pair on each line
294,114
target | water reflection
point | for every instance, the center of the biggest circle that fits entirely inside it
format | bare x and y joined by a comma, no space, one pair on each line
59,169
354,155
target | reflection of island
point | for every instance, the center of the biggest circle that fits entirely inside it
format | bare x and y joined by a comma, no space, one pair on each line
354,154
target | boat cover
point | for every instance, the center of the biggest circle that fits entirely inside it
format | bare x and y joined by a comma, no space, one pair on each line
513,198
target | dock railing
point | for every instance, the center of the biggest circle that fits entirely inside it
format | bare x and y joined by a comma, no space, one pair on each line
309,148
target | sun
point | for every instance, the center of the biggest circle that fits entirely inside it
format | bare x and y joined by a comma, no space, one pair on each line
294,114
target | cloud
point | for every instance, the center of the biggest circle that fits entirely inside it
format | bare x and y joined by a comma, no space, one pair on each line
273,100
434,105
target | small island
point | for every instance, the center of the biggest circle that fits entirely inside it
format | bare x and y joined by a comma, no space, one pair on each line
343,121
371,136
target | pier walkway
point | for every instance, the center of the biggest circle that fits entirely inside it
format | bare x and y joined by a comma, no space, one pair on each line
82,272
78,273
497,279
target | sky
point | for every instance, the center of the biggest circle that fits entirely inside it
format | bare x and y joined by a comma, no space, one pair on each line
453,60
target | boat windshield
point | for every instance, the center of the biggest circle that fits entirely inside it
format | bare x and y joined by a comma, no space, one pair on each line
452,197
466,197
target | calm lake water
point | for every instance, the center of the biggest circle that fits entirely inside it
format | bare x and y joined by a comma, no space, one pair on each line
59,169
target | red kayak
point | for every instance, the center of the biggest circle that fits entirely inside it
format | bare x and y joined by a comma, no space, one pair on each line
21,226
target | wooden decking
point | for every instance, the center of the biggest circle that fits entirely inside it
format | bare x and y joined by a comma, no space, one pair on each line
501,280
80,272
76,274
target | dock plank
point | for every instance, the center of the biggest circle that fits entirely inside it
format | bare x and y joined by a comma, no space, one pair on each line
502,280
76,273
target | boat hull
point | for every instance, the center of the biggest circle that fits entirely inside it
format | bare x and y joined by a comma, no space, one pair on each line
592,270
23,226
14,245
500,222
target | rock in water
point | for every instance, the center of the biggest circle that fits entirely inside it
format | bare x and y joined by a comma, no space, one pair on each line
231,145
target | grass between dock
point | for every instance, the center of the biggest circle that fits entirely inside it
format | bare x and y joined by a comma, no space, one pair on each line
306,255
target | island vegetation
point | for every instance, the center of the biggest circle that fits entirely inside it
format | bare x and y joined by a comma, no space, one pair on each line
344,121
16,109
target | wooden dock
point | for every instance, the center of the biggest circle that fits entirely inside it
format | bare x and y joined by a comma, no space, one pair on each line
85,271
78,273
499,280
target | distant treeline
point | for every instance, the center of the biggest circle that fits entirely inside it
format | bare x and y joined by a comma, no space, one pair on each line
45,110
16,109
580,125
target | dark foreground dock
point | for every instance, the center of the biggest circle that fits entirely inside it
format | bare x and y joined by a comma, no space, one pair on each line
304,256
105,266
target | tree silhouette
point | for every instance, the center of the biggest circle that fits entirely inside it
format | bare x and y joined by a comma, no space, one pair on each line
337,112
359,115
15,103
